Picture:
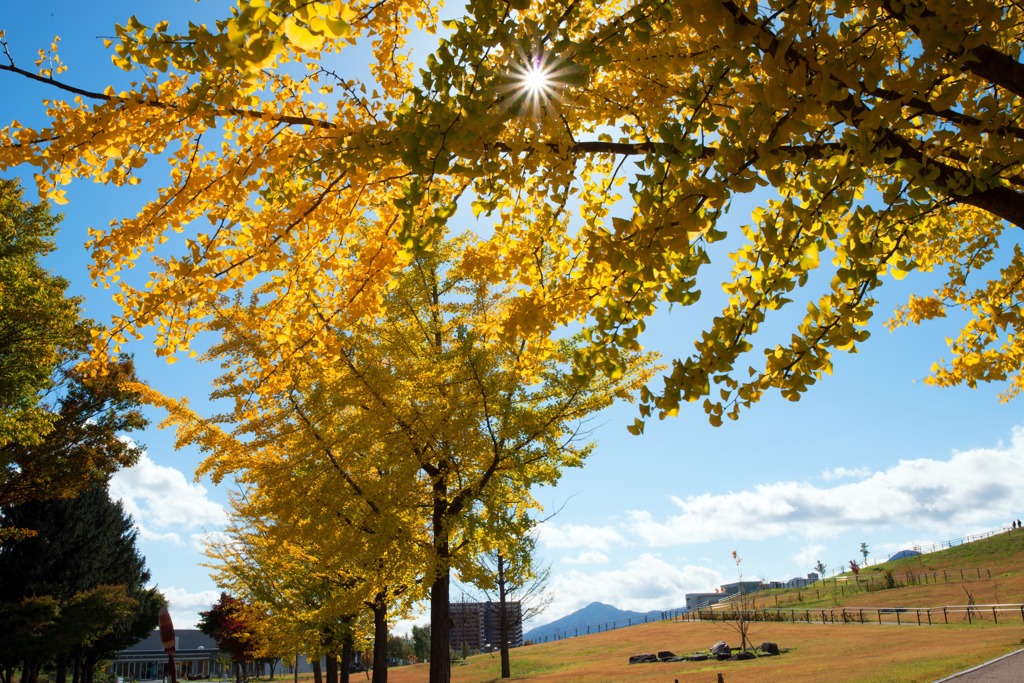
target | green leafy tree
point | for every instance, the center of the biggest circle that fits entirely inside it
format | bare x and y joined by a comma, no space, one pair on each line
41,328
421,642
820,568
26,623
79,578
400,648
84,444
60,428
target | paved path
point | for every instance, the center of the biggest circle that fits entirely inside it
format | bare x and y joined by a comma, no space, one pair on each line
1006,669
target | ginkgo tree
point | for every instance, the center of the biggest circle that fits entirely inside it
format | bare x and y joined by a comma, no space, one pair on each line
888,132
596,148
302,599
395,455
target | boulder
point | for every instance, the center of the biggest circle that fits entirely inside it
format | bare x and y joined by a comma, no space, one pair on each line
697,658
641,659
769,648
665,654
746,654
720,648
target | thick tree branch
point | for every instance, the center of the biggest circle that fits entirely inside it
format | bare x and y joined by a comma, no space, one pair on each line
983,61
158,104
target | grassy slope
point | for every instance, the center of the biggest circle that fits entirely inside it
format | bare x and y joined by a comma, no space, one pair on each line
1000,560
835,652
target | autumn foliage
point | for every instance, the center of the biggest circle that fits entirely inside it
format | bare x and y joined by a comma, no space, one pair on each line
563,167
888,133
226,623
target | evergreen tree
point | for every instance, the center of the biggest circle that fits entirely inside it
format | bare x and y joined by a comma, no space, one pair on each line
83,445
74,587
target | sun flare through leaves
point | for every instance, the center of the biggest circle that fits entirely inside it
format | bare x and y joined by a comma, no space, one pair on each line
535,81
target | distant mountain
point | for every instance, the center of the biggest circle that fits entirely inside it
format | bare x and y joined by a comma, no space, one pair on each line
594,615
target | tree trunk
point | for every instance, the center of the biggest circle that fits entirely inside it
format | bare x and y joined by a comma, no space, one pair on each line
506,668
440,591
29,671
317,673
89,663
347,650
61,673
332,667
273,666
380,639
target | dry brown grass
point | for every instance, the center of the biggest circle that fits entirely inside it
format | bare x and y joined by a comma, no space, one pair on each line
836,653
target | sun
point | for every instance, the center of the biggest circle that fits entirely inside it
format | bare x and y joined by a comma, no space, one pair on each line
537,78
533,83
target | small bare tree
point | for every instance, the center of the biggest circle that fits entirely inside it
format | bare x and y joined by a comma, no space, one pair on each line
745,606
971,612
512,579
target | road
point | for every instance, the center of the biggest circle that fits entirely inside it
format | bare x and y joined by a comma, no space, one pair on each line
1006,669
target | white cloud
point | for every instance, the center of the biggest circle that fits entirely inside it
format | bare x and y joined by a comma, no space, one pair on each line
846,473
579,536
162,502
588,557
971,488
207,539
185,606
147,534
809,555
646,583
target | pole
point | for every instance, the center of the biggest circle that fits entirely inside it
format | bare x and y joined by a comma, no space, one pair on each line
167,639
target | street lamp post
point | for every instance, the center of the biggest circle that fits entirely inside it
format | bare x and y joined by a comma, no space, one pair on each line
167,639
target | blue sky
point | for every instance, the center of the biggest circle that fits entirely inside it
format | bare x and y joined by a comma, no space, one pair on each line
871,454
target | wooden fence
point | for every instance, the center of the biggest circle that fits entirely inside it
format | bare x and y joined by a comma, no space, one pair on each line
919,616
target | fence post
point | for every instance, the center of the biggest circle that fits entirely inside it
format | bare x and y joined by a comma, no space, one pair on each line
879,615
898,622
995,619
945,615
919,617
